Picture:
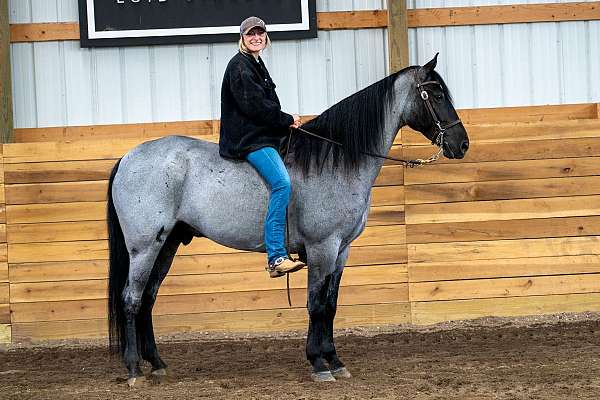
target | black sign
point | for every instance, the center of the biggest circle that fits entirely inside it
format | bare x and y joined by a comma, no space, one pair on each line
146,22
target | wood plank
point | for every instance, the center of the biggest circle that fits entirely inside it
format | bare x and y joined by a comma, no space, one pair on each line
386,215
58,251
57,212
528,150
380,235
504,287
4,272
527,113
352,19
80,150
191,265
497,230
503,268
235,321
140,131
195,284
503,170
5,334
210,302
6,97
3,227
517,131
5,312
387,196
57,232
493,249
504,14
502,190
4,293
44,32
390,175
61,171
397,35
62,192
437,311
502,210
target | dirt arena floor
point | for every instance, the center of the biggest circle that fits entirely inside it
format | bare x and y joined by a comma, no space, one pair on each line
555,357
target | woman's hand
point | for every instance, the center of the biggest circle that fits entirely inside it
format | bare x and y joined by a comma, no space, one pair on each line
297,121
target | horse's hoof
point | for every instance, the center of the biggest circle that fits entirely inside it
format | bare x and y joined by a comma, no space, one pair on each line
324,376
160,372
136,380
341,373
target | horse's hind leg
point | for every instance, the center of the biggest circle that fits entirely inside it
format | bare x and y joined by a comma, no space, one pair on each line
149,351
140,268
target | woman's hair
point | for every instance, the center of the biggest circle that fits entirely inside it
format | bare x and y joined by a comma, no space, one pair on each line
244,49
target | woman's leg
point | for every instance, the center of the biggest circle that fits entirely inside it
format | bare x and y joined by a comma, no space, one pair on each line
269,165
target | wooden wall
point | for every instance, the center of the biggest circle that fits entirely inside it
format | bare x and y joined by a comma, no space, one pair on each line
512,229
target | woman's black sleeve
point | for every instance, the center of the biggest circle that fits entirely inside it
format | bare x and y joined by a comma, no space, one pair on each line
252,99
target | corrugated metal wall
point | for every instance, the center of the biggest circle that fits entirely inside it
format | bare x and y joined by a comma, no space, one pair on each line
57,83
512,64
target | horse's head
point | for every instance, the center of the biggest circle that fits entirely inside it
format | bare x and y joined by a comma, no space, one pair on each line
430,111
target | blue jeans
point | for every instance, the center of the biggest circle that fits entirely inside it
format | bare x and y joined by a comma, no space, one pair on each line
269,165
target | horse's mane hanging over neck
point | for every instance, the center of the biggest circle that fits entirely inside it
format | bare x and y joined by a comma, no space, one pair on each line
357,122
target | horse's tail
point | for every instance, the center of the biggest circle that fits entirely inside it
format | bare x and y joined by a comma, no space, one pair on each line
117,273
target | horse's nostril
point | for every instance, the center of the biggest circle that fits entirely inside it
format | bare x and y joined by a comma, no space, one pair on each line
465,146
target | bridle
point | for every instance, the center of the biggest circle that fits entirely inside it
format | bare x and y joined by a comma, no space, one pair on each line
440,129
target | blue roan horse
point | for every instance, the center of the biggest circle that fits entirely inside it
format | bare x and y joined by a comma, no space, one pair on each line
165,192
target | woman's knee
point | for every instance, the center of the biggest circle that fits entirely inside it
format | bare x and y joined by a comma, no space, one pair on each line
283,185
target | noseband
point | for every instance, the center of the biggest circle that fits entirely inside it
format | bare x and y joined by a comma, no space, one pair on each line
440,129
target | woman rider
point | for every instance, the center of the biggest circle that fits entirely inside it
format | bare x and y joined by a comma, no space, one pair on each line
252,126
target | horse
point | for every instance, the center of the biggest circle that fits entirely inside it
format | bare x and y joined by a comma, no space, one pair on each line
165,192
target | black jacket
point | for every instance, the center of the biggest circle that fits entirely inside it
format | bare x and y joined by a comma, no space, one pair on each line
251,116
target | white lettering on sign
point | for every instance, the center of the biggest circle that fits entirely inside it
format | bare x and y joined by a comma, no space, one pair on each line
139,1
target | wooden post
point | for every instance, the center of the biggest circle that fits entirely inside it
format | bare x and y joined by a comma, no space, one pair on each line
6,106
397,35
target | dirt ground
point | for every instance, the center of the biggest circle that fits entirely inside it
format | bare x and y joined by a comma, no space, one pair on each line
555,357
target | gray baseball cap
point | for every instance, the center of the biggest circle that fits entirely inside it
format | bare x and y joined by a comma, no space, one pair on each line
252,22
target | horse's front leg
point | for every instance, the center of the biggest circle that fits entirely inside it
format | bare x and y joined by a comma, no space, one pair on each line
336,366
321,261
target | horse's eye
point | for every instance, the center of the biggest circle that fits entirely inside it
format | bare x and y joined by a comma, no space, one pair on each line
439,96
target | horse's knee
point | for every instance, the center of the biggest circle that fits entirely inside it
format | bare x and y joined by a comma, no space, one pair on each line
131,302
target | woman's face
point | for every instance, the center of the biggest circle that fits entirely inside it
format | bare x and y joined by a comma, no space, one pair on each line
255,40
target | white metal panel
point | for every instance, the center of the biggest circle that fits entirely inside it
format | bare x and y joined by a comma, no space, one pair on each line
593,62
165,79
574,45
313,66
282,63
221,54
19,12
196,82
137,102
78,86
107,94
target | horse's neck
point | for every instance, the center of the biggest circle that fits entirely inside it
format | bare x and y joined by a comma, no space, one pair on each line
394,120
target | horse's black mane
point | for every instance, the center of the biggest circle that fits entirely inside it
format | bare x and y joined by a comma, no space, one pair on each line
356,122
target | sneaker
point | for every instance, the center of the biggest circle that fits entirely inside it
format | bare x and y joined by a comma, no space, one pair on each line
282,266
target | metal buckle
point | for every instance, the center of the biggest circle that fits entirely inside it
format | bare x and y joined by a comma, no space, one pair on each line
424,95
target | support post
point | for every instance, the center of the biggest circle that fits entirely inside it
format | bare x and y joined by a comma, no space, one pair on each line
397,35
6,106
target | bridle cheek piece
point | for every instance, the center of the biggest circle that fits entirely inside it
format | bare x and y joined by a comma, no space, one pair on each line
440,129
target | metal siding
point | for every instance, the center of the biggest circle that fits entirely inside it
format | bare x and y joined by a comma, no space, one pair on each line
57,83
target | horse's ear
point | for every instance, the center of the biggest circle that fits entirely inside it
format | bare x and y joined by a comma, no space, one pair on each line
430,66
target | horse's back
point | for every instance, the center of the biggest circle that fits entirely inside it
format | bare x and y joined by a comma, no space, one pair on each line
177,178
